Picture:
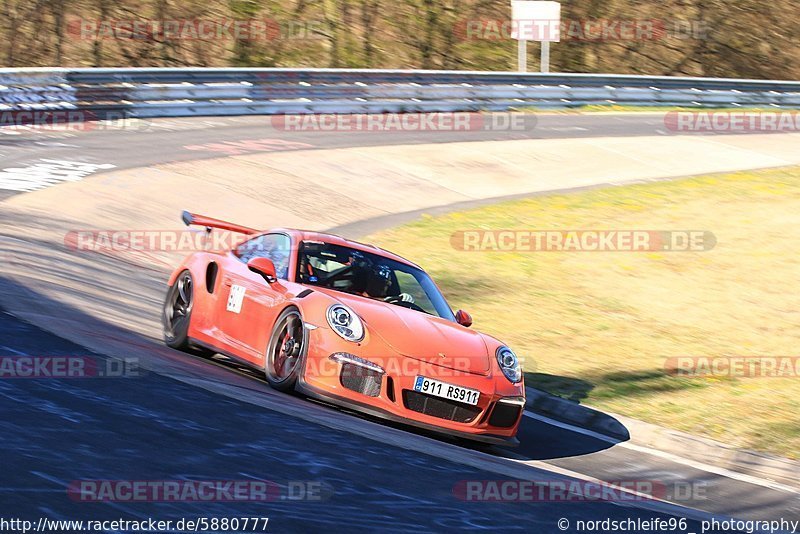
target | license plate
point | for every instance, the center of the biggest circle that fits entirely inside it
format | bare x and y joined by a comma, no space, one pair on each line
446,391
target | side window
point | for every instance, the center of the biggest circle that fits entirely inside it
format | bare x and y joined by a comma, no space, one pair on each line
276,247
408,284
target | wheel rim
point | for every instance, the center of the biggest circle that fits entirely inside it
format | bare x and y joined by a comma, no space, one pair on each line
179,305
286,347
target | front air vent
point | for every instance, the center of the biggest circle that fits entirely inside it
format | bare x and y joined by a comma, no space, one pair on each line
390,388
438,407
360,379
505,415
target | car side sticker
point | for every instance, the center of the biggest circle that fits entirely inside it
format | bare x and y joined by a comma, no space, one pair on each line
235,299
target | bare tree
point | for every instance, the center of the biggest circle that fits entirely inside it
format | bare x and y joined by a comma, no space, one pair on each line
369,15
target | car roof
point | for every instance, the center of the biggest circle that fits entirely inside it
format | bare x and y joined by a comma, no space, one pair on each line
307,235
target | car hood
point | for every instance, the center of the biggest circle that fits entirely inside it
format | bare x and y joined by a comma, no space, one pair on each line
420,336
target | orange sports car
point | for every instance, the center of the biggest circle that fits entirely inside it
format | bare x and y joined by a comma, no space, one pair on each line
347,323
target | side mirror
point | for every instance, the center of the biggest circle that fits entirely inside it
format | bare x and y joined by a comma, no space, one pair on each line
463,318
264,267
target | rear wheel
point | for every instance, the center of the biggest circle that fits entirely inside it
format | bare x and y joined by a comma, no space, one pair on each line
286,350
178,312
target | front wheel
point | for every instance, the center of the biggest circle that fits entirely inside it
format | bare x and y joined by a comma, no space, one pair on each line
286,350
177,315
178,311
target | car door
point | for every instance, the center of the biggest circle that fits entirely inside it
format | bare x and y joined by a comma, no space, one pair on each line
248,305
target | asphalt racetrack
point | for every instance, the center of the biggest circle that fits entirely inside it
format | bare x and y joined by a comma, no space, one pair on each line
187,418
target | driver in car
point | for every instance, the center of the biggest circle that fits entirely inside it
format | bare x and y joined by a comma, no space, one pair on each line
371,284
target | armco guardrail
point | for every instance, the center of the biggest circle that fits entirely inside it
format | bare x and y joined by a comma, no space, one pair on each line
155,92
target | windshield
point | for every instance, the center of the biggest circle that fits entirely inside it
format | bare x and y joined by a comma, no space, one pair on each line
370,275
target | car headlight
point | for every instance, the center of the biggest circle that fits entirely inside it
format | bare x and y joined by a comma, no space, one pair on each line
509,364
345,322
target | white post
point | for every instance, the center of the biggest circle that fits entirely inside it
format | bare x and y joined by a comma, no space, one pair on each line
545,60
535,20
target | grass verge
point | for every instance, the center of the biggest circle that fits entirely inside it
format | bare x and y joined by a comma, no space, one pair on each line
624,108
599,327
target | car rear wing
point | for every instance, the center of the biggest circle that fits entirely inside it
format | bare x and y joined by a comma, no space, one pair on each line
209,222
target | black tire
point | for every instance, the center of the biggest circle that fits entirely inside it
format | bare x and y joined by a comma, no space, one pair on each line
177,312
285,355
